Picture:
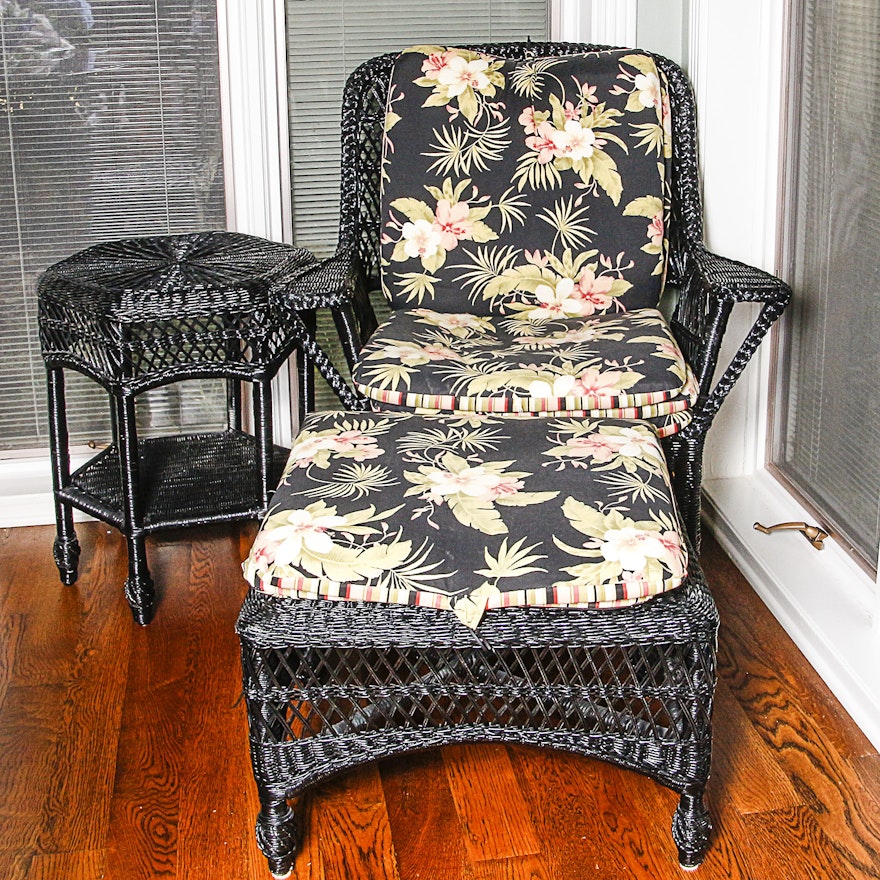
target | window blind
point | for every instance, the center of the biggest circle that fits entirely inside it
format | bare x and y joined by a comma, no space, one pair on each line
109,128
828,427
326,41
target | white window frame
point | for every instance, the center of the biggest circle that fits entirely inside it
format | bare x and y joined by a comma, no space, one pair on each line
825,601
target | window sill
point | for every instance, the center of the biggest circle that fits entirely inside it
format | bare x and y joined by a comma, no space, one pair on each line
824,599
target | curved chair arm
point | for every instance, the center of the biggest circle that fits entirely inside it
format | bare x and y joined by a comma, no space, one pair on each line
333,283
710,286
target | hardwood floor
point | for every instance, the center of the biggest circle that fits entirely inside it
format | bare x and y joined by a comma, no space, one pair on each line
123,752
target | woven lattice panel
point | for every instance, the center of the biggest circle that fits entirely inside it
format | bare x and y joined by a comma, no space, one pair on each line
143,309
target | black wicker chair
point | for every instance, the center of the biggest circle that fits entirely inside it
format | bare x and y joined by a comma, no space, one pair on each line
331,684
705,286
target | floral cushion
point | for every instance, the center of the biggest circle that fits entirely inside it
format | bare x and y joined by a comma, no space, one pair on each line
471,513
503,179
531,362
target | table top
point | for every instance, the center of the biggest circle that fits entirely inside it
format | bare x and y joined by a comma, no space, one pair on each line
172,276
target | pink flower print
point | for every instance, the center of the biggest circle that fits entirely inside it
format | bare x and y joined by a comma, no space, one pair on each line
558,302
452,224
475,482
588,93
437,352
634,584
422,239
301,530
596,446
594,292
412,355
655,229
635,443
648,87
459,74
591,382
543,143
674,556
570,111
358,445
631,547
536,258
434,63
527,120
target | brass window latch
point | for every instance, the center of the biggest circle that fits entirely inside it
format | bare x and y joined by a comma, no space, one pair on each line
814,534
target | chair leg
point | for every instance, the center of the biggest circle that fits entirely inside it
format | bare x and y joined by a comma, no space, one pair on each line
686,463
66,549
691,827
276,834
139,589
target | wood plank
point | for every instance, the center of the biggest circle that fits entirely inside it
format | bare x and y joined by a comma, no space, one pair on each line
494,816
751,624
350,819
562,793
14,864
217,792
786,841
76,807
820,775
424,823
181,738
49,629
89,865
29,740
517,868
743,764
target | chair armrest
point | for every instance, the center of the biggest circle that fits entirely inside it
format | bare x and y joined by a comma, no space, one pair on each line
710,286
304,284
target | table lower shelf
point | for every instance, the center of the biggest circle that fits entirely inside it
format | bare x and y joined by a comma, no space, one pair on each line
185,480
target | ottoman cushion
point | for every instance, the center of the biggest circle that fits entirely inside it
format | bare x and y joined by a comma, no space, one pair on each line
469,513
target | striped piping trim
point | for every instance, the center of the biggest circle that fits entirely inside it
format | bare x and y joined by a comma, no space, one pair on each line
646,405
555,596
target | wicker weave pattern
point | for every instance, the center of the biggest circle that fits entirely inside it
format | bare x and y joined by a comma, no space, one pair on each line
331,685
143,312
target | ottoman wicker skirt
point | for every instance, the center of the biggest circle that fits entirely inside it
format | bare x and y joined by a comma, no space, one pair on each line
383,621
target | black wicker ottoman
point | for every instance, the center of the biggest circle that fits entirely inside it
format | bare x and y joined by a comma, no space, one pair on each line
424,580
140,313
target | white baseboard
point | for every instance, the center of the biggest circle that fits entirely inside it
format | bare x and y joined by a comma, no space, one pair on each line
823,599
26,491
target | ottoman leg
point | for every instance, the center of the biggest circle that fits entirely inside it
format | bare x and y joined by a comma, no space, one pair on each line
691,826
66,548
276,834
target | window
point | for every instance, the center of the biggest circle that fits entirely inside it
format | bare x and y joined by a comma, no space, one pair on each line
326,41
109,128
828,422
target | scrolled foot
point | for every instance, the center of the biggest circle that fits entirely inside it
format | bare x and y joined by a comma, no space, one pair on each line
66,552
276,836
691,827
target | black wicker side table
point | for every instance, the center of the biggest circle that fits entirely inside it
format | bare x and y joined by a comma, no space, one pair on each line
140,313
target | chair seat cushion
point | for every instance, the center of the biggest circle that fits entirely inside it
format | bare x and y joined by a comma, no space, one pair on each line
626,365
471,513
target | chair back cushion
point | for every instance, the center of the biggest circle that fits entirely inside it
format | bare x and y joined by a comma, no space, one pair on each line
513,183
